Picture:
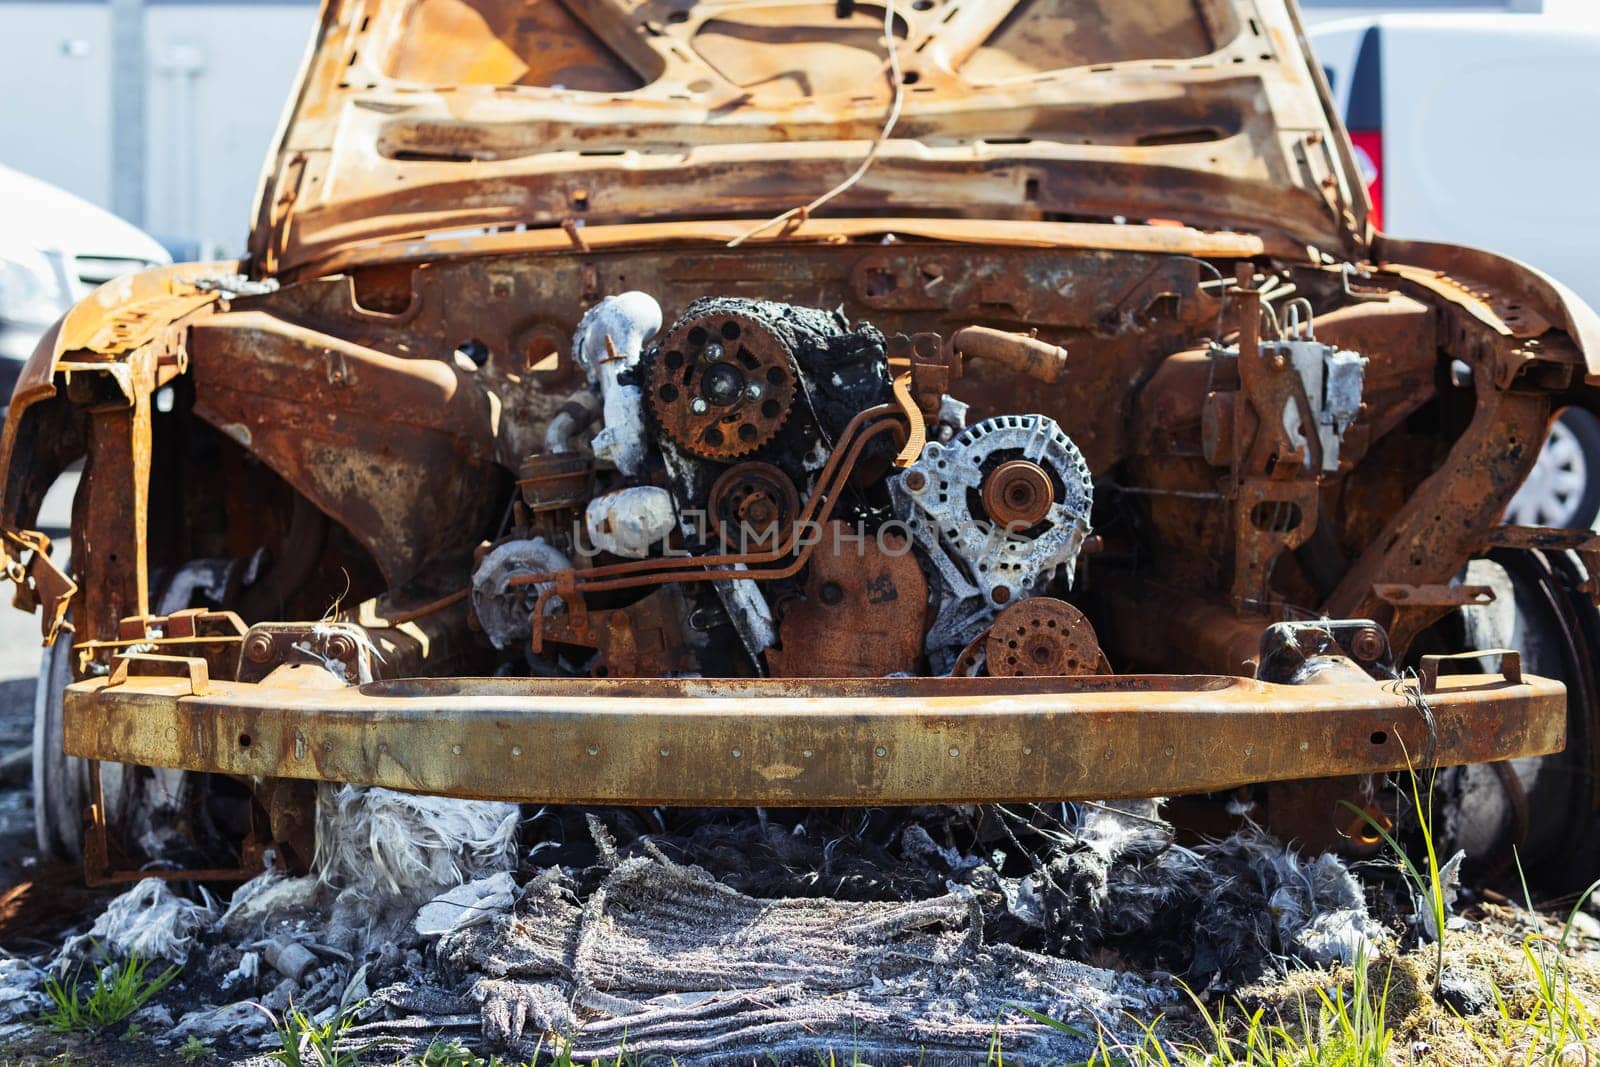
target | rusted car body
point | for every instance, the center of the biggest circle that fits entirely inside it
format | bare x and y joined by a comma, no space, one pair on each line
1129,236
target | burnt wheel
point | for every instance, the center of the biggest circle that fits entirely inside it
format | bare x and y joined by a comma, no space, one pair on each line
1543,806
60,781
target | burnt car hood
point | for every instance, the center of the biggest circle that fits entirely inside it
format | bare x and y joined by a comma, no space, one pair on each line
421,117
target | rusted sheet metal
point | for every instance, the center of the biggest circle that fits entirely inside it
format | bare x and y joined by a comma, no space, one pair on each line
860,616
455,114
117,318
1433,535
1524,300
98,337
362,418
352,428
115,520
787,741
989,233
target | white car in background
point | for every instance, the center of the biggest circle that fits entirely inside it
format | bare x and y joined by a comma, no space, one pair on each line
55,248
1484,129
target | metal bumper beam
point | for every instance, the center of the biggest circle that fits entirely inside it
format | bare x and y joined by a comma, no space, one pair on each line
810,741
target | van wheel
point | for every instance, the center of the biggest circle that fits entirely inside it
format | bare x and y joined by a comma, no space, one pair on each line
1563,489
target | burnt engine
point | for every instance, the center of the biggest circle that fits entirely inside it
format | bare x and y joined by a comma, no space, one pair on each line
752,491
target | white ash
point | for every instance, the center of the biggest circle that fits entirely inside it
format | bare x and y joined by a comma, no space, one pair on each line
311,939
703,936
21,991
238,1022
148,922
666,961
466,905
1319,909
399,846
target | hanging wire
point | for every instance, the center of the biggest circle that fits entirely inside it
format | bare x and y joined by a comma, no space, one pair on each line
1221,285
898,87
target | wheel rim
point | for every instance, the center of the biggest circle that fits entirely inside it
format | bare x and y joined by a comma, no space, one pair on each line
1553,490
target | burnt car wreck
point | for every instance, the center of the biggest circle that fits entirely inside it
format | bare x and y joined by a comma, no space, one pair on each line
1089,443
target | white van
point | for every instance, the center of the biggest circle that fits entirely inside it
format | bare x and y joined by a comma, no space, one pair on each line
1484,129
55,248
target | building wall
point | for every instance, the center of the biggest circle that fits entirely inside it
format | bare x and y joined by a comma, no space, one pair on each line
219,77
215,77
55,81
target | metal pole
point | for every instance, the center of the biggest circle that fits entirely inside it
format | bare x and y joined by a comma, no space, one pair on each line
128,110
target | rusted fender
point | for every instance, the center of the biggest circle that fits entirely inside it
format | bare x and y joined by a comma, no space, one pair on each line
811,741
100,330
100,335
1510,281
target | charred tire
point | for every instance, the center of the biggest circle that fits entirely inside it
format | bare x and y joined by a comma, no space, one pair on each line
60,781
1544,806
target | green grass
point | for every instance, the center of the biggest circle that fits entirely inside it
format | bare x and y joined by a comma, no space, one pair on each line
193,1051
308,1043
1559,1020
1428,885
453,1054
1341,1027
1348,1025
561,1056
118,990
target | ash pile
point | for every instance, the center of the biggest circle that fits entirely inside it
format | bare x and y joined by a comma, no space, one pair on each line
723,936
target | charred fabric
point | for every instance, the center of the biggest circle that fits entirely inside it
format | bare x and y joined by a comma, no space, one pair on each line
750,507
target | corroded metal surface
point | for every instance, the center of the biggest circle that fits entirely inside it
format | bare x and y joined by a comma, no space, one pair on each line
809,741
1017,492
751,503
453,114
355,418
721,385
1042,637
860,615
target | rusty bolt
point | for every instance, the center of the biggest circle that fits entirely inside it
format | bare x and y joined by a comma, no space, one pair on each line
1366,644
916,481
1000,594
259,648
341,646
759,510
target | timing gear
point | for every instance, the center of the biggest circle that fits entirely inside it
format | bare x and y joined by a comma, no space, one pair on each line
721,384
